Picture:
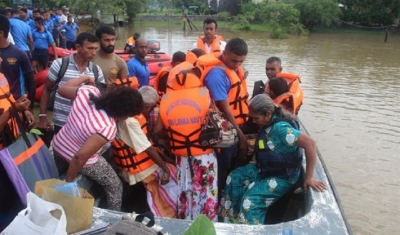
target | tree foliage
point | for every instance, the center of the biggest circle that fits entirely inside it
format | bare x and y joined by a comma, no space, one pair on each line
317,12
371,12
114,7
282,18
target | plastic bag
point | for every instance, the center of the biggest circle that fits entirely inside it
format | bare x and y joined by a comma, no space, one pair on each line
79,211
38,219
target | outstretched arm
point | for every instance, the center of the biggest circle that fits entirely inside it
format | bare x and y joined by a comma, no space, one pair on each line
68,90
224,107
310,148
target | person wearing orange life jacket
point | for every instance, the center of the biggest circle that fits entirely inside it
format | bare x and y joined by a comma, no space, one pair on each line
130,43
8,125
225,79
7,122
210,42
289,96
139,161
182,113
191,60
160,80
295,94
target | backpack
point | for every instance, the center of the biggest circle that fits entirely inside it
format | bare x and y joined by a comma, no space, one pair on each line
60,75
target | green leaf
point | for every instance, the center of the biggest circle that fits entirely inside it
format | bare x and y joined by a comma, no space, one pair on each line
36,131
201,226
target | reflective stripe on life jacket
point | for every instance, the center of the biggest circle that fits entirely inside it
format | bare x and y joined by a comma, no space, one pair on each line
237,95
182,113
282,165
215,46
125,156
295,96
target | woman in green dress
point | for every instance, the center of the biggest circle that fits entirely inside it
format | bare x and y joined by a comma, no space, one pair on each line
251,189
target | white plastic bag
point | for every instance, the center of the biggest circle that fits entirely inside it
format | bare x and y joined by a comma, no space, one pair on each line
36,219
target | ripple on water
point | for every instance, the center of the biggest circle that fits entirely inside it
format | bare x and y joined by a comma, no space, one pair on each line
351,107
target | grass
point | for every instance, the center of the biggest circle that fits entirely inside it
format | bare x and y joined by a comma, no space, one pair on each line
198,24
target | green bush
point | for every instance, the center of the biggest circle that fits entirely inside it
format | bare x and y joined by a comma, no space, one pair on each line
224,16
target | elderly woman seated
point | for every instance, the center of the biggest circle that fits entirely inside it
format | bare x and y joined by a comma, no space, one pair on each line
252,188
91,124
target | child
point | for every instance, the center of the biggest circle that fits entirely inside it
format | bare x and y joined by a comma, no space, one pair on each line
277,87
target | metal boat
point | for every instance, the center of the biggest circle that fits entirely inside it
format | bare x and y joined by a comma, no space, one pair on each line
295,213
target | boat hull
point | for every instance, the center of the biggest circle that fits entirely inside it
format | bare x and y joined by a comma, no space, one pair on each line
322,214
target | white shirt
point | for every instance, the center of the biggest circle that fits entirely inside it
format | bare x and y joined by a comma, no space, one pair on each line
208,48
63,19
10,38
132,134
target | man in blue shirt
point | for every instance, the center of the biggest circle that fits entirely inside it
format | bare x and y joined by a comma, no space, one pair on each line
16,66
137,66
69,31
24,16
219,85
29,11
48,24
42,39
56,18
21,32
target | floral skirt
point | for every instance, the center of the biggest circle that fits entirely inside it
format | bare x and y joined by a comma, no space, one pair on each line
247,197
197,186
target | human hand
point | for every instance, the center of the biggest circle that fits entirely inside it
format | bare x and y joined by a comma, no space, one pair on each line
165,177
243,145
30,119
44,123
314,184
88,80
22,103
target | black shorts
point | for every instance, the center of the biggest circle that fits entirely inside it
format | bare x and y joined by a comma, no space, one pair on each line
41,56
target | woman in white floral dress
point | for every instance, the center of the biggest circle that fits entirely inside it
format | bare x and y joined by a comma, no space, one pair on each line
182,113
252,188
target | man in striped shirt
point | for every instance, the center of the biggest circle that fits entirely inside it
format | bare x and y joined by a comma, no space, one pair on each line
79,65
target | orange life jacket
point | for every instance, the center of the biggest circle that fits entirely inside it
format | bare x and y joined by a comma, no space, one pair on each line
160,81
182,113
125,156
186,65
295,96
130,41
237,95
215,46
186,79
191,57
10,130
128,82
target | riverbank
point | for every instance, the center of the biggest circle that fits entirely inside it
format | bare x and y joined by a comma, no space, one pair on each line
175,21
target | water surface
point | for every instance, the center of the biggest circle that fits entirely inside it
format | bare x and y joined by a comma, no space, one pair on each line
351,108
